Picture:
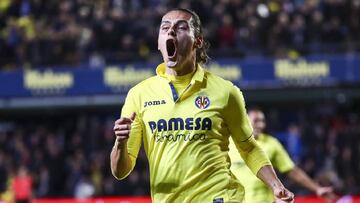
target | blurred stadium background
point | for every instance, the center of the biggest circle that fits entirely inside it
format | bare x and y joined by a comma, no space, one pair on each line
65,68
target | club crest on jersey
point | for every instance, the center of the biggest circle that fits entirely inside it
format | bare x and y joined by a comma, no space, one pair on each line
202,102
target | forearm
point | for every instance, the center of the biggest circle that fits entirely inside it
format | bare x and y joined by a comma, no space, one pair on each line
300,177
269,177
120,161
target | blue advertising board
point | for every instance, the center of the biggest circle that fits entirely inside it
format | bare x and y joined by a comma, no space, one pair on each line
247,74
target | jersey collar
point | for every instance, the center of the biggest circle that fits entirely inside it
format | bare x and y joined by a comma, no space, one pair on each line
197,77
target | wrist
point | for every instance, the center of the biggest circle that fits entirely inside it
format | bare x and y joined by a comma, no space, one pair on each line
120,144
277,186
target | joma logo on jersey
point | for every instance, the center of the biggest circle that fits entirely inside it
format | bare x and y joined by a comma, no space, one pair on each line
181,124
154,103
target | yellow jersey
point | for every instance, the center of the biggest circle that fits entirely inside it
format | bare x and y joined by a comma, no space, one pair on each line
255,190
186,136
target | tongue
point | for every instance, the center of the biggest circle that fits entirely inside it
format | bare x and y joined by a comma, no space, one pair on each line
171,48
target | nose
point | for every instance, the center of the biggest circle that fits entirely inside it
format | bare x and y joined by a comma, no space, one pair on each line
172,32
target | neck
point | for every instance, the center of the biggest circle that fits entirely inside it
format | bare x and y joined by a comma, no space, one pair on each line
182,69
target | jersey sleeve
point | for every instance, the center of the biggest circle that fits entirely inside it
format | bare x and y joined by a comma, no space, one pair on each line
134,142
281,160
241,131
235,116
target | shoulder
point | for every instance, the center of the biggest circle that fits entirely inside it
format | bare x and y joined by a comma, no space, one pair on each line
271,140
137,93
143,85
213,78
267,138
227,88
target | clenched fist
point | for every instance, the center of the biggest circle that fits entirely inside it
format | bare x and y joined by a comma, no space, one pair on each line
122,128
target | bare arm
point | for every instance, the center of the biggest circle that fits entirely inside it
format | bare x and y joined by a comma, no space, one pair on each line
120,161
300,177
269,177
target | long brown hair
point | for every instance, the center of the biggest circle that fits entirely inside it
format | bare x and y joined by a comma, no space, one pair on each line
201,53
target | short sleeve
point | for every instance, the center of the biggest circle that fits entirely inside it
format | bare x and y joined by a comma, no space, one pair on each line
281,160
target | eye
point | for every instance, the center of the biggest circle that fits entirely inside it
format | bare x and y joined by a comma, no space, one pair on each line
165,27
182,27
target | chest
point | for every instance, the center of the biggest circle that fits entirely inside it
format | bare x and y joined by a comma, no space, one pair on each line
194,109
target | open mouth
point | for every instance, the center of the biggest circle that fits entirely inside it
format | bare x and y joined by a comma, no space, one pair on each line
171,48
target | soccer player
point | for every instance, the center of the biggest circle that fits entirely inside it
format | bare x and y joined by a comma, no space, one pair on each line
255,190
184,116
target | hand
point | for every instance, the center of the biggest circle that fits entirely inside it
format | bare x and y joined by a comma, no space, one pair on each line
122,128
326,193
282,195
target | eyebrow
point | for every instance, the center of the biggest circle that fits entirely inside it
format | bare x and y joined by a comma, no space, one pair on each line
177,22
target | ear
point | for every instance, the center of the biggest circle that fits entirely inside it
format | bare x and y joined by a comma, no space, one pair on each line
199,41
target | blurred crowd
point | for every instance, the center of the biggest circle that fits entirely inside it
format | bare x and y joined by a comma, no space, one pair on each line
324,141
37,33
68,155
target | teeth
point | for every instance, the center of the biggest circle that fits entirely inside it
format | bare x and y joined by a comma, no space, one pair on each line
170,47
